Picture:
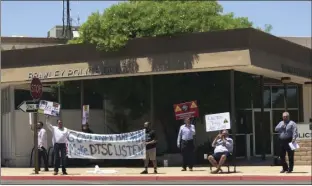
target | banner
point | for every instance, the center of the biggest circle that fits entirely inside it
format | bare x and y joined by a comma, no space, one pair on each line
85,114
217,122
106,146
49,108
186,110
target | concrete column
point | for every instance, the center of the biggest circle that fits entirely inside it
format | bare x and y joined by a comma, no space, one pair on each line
59,97
307,102
81,98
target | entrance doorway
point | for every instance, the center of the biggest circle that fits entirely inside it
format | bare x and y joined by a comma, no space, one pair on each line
264,136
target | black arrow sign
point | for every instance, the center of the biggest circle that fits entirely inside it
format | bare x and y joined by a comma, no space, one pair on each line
28,106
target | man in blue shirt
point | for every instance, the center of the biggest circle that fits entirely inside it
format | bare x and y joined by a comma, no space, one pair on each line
287,130
186,143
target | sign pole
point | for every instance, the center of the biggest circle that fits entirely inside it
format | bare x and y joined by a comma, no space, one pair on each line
36,93
36,142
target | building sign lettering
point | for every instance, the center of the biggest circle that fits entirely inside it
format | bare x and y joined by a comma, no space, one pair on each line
90,71
296,71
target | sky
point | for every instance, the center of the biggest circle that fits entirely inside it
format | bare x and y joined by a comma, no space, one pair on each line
36,18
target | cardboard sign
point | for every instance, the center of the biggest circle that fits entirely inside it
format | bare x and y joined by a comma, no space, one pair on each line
49,108
217,122
186,110
85,114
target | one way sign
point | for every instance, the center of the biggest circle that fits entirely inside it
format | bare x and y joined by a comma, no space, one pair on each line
28,106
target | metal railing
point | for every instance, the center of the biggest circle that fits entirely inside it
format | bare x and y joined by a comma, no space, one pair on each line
48,156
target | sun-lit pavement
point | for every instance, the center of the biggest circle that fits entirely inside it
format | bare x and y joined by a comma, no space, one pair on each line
168,175
168,171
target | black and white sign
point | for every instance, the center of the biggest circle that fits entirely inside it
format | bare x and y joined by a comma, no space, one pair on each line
28,106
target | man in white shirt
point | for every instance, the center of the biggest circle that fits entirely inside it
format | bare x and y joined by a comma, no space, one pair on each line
59,138
223,149
185,142
42,145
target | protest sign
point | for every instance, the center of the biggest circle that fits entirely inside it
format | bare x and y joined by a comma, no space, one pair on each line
217,122
85,114
186,110
106,146
49,108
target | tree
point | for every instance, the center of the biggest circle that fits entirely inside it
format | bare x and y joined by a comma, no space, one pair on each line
128,20
120,23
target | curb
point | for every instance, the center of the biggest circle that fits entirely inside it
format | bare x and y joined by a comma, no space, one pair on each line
161,178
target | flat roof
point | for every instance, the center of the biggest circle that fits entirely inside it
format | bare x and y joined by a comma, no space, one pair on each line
226,40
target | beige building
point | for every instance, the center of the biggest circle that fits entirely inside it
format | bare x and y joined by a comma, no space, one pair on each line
237,53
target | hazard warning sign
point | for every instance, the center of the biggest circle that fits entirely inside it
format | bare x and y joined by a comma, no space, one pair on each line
186,110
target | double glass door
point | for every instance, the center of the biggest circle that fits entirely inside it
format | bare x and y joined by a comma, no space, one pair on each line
262,138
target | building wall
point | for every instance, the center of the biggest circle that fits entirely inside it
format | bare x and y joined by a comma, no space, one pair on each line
17,152
307,102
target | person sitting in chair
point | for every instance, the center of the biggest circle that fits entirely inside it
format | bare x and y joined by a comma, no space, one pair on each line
223,145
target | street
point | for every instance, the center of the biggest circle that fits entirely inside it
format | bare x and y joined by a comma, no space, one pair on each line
57,182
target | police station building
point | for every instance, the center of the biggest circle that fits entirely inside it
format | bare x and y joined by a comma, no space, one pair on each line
253,75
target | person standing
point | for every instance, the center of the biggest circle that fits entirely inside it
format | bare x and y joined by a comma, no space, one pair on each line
86,129
288,133
151,142
59,138
186,144
42,145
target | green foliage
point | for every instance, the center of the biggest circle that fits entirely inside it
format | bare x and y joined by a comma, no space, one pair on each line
118,24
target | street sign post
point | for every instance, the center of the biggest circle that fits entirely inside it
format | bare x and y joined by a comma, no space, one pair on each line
36,93
28,106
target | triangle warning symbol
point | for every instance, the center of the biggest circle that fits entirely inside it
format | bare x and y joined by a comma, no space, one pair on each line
225,121
193,105
178,109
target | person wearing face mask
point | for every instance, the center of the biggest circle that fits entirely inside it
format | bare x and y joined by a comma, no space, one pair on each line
42,145
288,132
59,138
151,142
186,143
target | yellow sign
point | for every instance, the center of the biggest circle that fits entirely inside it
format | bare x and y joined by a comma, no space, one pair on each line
193,105
178,109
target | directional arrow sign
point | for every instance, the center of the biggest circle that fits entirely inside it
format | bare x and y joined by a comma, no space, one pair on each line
28,106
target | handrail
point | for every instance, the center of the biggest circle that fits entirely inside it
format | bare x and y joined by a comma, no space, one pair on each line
52,156
31,156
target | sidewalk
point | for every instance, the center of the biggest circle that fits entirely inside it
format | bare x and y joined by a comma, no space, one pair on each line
247,173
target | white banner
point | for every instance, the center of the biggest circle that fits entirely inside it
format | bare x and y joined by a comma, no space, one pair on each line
106,146
85,114
49,108
217,122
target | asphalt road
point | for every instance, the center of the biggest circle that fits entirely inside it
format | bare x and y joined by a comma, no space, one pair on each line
68,182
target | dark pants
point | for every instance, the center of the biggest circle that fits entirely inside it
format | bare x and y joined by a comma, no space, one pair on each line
42,154
284,147
60,147
187,150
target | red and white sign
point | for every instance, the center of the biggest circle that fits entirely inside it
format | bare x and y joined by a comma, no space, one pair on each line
36,88
186,110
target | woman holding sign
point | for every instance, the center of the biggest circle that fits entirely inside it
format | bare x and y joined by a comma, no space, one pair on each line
59,137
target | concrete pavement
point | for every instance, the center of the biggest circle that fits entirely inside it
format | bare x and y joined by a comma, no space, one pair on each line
244,173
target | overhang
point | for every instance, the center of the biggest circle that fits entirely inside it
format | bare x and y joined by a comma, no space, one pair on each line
246,50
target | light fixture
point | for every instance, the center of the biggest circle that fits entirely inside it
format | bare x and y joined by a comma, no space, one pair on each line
286,80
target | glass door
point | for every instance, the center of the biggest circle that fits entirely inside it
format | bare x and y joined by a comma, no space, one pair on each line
262,138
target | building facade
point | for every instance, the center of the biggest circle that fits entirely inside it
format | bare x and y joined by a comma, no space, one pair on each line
236,71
